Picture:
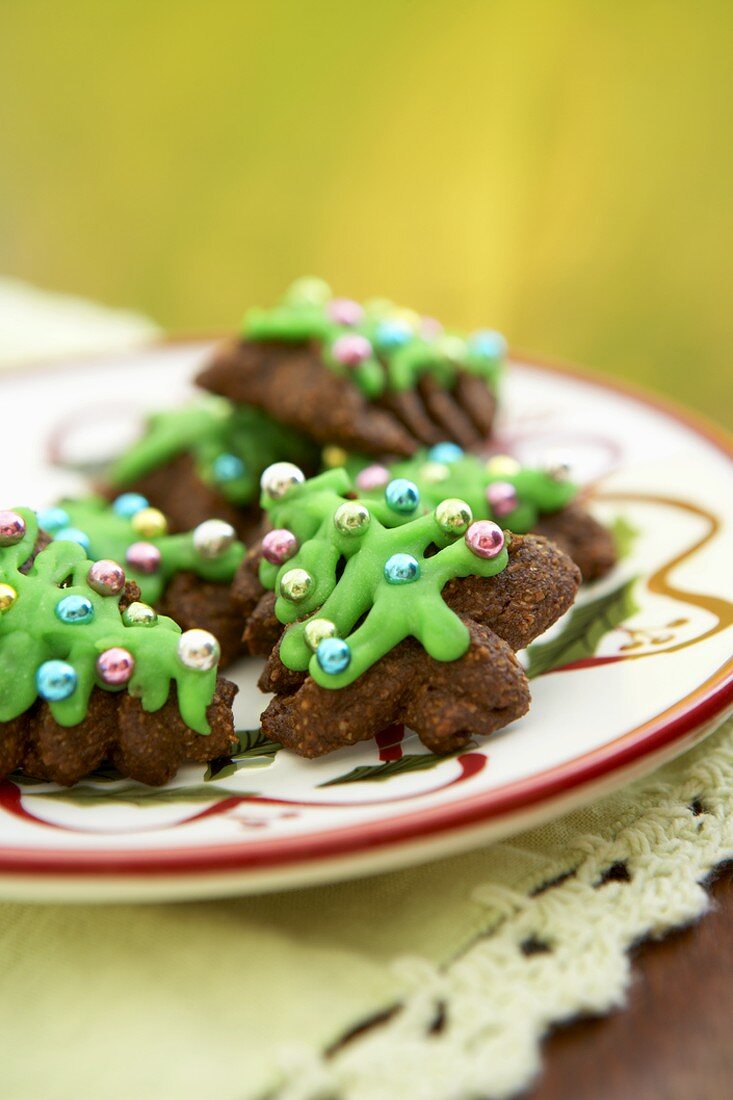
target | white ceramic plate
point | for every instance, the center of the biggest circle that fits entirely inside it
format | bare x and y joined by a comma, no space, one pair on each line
641,671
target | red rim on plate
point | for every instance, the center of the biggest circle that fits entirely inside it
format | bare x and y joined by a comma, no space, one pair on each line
698,710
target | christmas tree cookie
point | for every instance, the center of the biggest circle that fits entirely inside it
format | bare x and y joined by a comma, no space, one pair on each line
396,611
205,459
186,575
88,676
372,378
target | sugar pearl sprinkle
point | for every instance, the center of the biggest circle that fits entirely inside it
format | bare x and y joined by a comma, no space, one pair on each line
372,477
227,467
351,518
445,453
402,495
149,523
351,349
53,520
212,538
128,504
502,466
401,569
279,546
453,516
144,557
333,655
56,681
12,528
198,649
344,311
502,497
73,534
487,344
74,610
115,666
296,584
8,596
315,630
280,477
139,614
106,577
485,539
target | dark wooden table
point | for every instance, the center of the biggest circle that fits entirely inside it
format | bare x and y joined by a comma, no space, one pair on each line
674,1040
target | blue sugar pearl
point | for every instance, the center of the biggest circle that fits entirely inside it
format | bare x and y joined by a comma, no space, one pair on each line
488,344
402,495
73,534
401,569
129,504
445,453
55,680
227,467
333,655
53,519
392,334
75,609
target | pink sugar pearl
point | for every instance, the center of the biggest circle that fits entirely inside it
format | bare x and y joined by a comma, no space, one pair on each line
278,546
344,311
351,349
430,328
502,496
115,665
372,477
144,557
12,528
106,577
485,539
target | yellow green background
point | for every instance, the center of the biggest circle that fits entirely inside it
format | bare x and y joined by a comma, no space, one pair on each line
562,170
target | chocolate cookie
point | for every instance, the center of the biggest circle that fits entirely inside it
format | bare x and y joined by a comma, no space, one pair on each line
374,379
88,673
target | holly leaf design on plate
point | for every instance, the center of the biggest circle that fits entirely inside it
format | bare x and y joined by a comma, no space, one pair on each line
411,762
136,794
255,751
585,627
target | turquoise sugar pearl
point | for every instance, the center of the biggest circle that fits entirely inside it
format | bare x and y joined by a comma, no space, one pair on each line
227,467
402,495
487,344
392,334
129,504
445,452
75,609
333,655
53,519
401,569
73,534
55,680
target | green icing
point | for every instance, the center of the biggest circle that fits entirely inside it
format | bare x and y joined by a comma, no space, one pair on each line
111,535
214,432
350,589
403,345
538,492
31,633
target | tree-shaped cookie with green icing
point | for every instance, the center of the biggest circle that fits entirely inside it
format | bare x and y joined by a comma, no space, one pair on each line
363,577
188,575
396,612
64,640
375,377
205,459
